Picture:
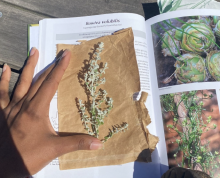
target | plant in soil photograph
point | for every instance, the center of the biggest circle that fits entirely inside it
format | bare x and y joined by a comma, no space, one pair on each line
190,123
99,105
187,44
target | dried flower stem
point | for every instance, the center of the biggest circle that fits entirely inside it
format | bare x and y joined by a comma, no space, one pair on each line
97,113
116,129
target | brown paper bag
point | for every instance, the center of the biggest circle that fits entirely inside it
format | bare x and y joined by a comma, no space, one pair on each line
122,81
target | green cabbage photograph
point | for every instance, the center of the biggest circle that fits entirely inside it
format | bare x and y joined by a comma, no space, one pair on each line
187,50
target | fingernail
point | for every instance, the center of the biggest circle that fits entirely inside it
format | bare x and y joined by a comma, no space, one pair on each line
32,51
4,67
96,145
65,52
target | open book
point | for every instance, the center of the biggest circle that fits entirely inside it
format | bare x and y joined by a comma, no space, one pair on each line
179,65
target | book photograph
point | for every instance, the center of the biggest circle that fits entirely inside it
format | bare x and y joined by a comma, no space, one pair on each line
187,50
191,126
155,57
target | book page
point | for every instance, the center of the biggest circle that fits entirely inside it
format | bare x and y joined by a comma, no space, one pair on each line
69,31
33,36
184,70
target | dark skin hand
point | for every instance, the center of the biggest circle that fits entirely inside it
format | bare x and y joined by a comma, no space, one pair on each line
27,140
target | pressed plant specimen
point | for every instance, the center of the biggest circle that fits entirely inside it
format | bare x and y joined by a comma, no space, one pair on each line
190,122
93,115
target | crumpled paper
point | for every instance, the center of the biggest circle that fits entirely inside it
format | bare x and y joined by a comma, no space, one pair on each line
122,81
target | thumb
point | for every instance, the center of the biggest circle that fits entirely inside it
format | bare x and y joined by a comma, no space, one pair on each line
76,142
4,86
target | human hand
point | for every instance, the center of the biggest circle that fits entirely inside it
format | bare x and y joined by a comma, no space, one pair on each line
27,140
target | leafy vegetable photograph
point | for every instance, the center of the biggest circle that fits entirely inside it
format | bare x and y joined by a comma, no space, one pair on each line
191,129
186,50
173,5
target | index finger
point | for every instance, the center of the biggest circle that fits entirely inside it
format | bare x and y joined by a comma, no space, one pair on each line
49,86
36,85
